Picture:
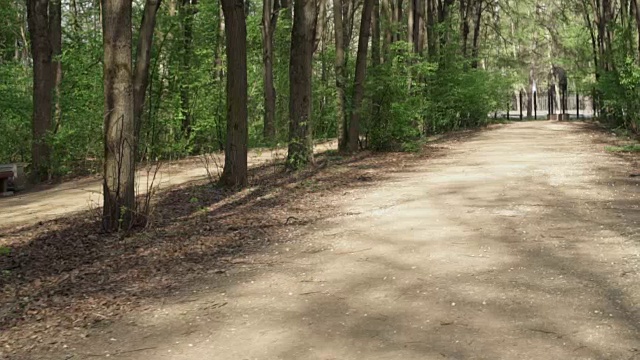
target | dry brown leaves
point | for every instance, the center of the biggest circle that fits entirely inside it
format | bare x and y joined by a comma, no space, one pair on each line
62,277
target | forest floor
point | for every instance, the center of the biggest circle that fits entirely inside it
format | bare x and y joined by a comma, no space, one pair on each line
521,241
48,202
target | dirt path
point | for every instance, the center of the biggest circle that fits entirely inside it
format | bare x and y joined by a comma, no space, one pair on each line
79,195
521,243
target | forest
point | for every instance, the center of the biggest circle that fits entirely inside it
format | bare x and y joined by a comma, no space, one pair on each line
80,96
319,179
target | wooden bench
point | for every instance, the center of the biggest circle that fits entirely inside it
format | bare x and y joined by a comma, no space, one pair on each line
12,175
4,182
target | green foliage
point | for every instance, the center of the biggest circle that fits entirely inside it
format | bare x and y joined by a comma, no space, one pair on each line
620,95
414,97
626,148
15,113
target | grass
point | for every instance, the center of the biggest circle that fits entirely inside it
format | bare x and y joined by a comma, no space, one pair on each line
625,148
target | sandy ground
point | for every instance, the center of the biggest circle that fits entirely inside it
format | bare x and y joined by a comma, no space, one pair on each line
79,195
520,243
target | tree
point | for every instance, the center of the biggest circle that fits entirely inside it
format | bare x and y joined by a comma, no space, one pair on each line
55,32
270,12
119,137
43,82
300,75
188,10
143,61
360,78
475,50
235,161
341,76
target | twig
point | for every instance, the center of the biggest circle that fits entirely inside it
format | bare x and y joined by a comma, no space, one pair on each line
352,252
134,350
310,292
545,332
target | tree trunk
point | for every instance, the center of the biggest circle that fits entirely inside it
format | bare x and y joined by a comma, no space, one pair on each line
41,50
320,24
360,78
219,78
634,4
143,61
420,27
375,33
235,161
415,25
119,139
398,19
55,31
465,10
188,8
270,10
386,13
300,74
431,30
341,78
475,51
410,20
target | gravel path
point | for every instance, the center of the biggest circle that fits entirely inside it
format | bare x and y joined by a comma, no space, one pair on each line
521,242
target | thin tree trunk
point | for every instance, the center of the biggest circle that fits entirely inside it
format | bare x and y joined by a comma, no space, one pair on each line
74,14
188,7
431,30
360,78
398,19
341,78
475,51
385,12
375,33
143,61
300,78
420,27
465,10
270,10
55,32
41,50
219,73
634,4
410,20
320,24
119,140
235,161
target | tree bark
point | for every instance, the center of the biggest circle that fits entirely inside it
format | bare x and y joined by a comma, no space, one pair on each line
119,139
375,34
341,76
421,27
270,10
41,50
386,14
410,21
55,31
360,78
475,50
219,78
431,30
415,23
300,79
235,161
634,5
188,8
465,10
143,61
398,19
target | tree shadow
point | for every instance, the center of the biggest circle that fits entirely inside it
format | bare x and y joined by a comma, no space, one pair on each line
64,274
